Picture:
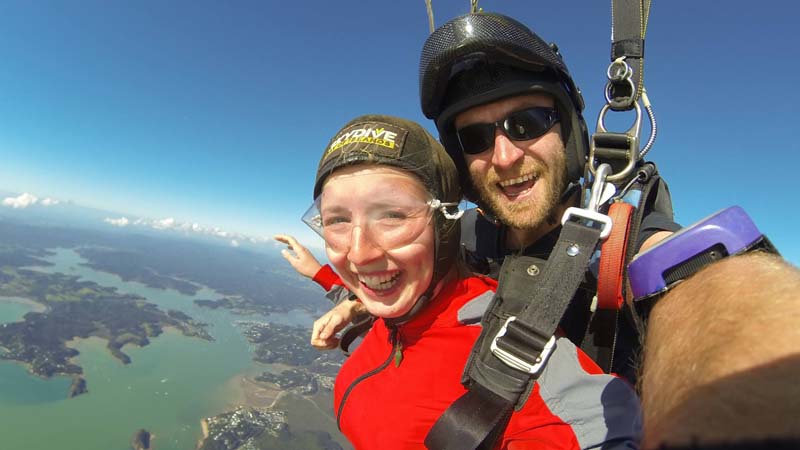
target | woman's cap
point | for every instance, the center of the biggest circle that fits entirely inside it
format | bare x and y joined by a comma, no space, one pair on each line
392,141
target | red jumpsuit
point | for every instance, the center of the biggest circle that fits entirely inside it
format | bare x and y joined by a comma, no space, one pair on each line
393,388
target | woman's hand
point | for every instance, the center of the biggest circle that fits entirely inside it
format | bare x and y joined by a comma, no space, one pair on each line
302,260
323,335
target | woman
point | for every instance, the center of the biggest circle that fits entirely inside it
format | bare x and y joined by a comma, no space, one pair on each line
385,197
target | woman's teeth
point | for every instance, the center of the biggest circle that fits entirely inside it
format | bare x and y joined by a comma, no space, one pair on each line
379,282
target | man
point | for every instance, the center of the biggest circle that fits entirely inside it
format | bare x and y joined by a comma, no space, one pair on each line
509,114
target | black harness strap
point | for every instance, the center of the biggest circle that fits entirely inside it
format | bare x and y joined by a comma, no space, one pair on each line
628,27
515,342
474,421
359,326
652,187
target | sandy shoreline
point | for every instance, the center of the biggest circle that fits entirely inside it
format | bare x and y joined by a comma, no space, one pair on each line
204,427
243,390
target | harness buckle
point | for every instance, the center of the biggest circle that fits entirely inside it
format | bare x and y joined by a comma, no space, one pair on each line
516,362
572,212
608,146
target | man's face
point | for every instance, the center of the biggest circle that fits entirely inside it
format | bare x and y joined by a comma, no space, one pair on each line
521,181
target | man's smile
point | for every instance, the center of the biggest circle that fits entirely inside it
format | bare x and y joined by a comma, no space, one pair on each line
515,187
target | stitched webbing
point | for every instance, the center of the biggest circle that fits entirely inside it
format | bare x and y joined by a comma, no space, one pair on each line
612,258
628,29
495,388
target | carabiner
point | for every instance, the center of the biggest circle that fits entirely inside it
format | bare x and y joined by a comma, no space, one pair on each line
598,186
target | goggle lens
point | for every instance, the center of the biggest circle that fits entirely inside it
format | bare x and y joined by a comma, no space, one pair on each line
388,226
518,126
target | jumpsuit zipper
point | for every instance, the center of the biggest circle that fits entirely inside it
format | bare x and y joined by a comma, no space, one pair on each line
396,354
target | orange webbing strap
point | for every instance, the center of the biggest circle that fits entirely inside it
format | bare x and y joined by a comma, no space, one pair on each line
612,258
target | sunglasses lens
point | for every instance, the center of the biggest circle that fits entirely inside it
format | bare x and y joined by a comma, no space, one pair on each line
518,126
528,124
476,138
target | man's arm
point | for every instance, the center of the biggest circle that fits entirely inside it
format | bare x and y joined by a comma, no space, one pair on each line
722,355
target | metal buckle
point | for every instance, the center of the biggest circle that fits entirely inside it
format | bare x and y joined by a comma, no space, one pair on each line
619,73
631,145
514,361
589,215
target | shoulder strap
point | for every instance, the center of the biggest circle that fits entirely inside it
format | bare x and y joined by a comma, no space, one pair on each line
515,342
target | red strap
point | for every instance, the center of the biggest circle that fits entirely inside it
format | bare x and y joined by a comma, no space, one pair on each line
612,258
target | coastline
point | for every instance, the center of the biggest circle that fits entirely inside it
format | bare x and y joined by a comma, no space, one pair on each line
243,390
35,306
204,427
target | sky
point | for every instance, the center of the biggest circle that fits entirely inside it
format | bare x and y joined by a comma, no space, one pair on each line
216,113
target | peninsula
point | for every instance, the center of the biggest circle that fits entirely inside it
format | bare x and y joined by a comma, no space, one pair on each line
78,309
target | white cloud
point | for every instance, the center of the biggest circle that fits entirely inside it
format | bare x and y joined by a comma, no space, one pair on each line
121,222
170,224
164,224
27,199
22,201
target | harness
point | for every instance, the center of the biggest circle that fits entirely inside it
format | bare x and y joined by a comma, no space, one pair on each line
519,327
593,329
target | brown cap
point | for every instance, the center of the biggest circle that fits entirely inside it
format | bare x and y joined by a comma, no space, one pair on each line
392,141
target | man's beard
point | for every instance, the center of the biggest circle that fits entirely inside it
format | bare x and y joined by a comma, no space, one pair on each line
534,212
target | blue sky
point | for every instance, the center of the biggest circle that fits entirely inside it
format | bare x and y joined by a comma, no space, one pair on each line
217,112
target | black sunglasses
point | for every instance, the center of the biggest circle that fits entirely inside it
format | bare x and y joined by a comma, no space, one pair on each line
518,126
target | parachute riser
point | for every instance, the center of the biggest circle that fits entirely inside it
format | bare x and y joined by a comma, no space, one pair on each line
620,150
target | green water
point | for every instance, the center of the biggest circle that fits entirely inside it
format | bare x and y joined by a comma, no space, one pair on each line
170,385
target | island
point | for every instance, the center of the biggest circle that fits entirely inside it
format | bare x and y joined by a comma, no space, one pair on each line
77,387
79,309
141,440
130,267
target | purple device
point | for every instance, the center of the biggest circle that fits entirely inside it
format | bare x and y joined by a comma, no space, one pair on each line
727,232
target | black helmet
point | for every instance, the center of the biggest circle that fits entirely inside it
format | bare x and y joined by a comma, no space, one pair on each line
401,143
482,57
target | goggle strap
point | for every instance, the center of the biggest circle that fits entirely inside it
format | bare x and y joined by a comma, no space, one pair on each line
437,204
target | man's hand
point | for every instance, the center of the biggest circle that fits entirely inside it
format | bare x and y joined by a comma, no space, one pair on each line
302,260
323,335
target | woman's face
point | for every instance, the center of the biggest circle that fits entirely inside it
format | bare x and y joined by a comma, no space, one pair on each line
379,235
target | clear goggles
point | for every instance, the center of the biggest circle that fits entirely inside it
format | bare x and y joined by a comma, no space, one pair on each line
385,224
